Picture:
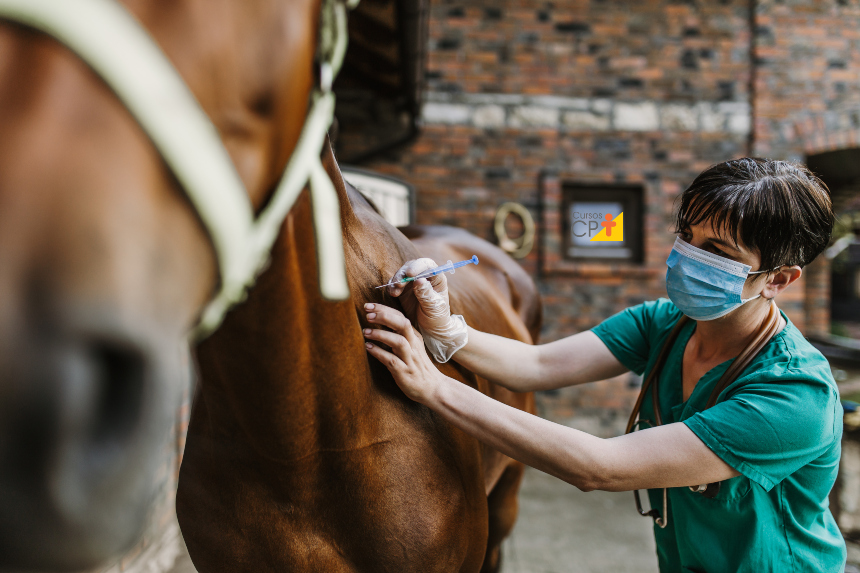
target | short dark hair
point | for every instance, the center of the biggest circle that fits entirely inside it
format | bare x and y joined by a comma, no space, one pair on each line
778,208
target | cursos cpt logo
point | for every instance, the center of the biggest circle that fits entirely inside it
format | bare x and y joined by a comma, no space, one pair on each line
598,226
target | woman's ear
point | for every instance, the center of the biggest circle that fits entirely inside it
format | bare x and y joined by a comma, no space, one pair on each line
779,280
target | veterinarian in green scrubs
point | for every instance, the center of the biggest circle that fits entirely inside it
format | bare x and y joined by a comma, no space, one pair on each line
739,422
780,430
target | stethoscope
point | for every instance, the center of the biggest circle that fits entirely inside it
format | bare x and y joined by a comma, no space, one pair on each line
768,328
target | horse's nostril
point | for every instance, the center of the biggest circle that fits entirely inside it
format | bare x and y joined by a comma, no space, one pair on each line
118,384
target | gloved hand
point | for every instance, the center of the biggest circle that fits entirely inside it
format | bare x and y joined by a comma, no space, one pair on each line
427,301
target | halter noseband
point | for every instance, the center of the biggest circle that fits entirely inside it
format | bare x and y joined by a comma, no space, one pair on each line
108,38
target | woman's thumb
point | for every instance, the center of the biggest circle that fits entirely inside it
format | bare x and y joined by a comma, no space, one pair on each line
430,300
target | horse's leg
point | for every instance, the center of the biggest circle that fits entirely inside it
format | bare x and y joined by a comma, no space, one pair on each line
503,508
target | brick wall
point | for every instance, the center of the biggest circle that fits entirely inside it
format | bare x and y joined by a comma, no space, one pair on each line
630,92
523,95
807,98
806,77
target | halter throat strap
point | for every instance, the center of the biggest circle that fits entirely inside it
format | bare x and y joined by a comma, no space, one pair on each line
109,39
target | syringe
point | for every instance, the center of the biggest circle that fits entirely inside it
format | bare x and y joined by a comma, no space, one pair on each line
446,268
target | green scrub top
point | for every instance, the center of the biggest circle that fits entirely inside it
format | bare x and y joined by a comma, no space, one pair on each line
779,425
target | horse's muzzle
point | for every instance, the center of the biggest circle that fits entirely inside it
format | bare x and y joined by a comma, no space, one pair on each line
83,413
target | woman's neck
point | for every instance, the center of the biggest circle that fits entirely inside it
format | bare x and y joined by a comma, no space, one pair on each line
725,337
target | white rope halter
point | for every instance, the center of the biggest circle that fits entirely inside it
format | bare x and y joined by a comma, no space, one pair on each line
108,38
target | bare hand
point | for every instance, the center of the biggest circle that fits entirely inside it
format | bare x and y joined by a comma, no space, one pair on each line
407,361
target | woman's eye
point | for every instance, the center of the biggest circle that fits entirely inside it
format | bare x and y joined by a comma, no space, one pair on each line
721,253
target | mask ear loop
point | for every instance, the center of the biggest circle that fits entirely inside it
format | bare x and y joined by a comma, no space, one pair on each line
745,300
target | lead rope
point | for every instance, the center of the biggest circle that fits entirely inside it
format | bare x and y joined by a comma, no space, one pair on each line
768,329
104,35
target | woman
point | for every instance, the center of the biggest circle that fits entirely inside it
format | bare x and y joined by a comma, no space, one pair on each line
768,440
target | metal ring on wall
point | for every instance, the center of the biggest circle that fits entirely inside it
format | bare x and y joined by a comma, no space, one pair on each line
522,245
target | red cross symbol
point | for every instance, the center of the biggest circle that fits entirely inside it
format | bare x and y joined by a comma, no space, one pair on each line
608,224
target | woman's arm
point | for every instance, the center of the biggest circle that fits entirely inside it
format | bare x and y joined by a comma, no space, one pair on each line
509,363
668,456
523,367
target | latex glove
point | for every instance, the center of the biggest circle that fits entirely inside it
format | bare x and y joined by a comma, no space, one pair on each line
444,333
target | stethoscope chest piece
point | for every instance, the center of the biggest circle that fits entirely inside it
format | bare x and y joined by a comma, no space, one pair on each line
709,490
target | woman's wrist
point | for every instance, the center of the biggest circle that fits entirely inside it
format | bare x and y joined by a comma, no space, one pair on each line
434,397
442,343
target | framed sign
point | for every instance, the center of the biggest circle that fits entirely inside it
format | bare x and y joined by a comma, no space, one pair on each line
602,223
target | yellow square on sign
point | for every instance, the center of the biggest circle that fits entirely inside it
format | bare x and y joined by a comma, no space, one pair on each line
613,229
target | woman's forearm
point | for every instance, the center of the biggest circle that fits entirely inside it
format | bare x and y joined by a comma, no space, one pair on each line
524,367
509,363
667,456
563,452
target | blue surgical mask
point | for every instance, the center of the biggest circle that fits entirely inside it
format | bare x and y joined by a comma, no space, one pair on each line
705,286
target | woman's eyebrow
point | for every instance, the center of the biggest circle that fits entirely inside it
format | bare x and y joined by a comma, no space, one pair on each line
725,244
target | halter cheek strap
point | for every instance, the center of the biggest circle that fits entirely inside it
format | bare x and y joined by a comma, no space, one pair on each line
108,38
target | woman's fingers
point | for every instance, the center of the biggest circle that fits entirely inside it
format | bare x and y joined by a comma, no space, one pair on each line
399,345
407,361
393,319
409,269
388,359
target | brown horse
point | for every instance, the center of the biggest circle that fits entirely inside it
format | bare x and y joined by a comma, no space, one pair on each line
311,456
303,456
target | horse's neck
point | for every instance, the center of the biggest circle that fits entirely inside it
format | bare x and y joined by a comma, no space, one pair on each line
289,369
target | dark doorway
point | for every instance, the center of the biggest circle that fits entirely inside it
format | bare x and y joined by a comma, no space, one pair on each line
840,170
380,85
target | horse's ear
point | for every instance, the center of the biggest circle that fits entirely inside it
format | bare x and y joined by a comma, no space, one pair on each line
330,163
333,131
331,167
